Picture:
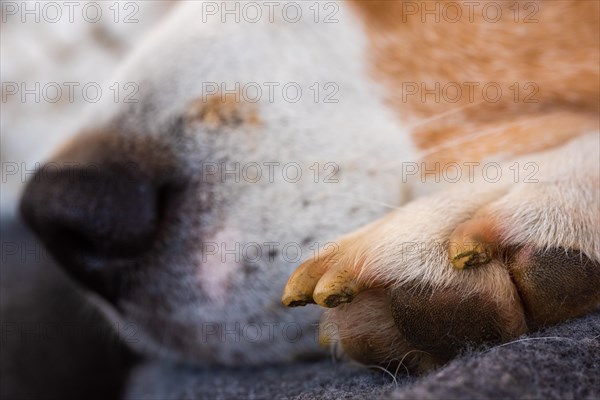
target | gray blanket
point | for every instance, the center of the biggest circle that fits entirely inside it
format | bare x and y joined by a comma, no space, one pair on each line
55,346
559,363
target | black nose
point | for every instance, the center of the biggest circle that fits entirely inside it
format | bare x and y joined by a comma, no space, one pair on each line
94,219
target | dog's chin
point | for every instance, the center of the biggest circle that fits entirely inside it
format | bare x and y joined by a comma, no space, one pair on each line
216,341
134,334
123,328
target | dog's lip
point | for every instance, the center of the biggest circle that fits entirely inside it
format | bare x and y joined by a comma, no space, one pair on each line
100,276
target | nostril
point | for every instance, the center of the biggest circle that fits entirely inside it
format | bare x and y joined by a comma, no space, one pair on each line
162,199
92,220
73,239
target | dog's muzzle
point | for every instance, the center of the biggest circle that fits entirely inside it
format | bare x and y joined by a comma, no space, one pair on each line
99,219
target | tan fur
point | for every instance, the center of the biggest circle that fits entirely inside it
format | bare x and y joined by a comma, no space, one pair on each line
219,110
558,54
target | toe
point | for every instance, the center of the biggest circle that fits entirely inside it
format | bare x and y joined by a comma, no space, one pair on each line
473,243
300,287
555,284
338,285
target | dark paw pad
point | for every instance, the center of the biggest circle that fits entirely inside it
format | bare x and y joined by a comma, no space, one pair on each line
554,284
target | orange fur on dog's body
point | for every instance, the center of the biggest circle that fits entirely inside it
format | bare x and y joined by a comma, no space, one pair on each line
547,96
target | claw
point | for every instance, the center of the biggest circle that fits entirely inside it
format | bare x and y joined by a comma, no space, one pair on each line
300,287
473,243
337,286
328,280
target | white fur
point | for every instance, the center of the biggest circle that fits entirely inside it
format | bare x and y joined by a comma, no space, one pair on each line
359,134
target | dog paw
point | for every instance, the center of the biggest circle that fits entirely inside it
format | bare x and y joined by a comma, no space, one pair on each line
457,269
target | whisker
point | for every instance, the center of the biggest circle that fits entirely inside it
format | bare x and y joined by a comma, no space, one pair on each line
402,361
398,368
449,143
538,338
366,201
474,135
426,121
333,352
379,368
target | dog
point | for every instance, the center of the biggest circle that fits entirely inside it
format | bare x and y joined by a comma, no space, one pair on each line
262,133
